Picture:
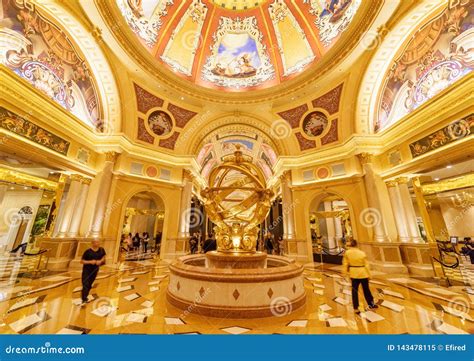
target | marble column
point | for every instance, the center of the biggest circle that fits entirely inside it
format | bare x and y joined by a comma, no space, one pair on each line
79,209
287,206
398,211
409,209
100,210
338,229
3,191
185,207
330,227
70,205
372,217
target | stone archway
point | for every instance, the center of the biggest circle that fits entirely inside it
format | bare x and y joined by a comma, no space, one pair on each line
142,211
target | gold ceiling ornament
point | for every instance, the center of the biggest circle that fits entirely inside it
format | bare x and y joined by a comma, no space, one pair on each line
237,201
11,176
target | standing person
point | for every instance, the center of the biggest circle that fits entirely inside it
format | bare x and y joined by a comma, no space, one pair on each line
92,259
193,243
158,242
146,239
281,244
129,242
209,244
136,241
355,264
268,243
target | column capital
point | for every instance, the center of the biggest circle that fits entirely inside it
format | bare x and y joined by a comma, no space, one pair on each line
187,175
285,176
402,180
111,156
365,158
86,181
391,183
76,177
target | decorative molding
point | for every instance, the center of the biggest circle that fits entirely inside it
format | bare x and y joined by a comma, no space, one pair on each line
329,101
293,116
304,143
146,100
451,133
170,142
24,128
181,116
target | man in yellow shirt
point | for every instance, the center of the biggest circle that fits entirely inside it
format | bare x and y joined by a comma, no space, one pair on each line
356,266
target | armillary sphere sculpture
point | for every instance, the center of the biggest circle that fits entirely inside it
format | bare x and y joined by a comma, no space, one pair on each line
237,201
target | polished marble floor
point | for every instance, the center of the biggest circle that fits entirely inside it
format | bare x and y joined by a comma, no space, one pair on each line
131,299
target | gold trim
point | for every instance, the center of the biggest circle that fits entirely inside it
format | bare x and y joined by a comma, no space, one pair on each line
464,181
23,179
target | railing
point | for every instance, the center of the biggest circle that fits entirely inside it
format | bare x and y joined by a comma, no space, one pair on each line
42,255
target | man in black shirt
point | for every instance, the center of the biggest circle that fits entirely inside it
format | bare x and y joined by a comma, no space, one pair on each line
92,259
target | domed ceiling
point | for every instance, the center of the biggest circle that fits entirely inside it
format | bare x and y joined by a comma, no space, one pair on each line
238,45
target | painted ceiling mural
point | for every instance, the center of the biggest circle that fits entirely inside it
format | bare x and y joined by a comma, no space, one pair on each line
41,53
238,45
439,53
218,147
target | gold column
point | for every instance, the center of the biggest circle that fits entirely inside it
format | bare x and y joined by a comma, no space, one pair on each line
287,206
57,202
397,207
70,205
103,195
409,209
420,200
185,207
374,213
79,208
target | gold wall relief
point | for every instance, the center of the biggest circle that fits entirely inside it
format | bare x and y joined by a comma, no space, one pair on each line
451,133
18,125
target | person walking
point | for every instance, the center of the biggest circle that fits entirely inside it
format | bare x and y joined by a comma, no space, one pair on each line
355,265
92,259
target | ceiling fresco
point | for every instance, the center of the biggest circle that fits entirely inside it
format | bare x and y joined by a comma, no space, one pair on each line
40,52
238,45
222,145
440,53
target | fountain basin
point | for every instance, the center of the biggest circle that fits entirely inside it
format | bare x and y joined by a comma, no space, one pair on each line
207,285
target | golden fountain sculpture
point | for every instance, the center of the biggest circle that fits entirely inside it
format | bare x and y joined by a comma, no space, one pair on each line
237,201
236,281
